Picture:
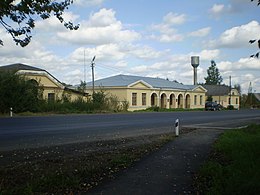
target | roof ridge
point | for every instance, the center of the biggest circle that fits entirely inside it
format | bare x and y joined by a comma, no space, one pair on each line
20,66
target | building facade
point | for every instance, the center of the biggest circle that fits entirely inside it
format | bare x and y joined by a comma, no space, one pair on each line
145,92
52,88
223,95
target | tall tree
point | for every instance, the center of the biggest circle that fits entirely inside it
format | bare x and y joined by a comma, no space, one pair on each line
238,88
18,17
213,77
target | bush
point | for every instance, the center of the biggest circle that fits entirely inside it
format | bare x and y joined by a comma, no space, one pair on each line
230,107
19,93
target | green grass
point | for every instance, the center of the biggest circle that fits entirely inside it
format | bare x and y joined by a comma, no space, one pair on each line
234,167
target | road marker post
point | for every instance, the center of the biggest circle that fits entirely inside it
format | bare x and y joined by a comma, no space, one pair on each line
11,112
177,124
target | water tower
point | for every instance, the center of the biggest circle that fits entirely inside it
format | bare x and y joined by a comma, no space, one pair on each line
195,61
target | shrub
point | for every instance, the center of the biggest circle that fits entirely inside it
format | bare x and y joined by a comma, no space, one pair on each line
19,93
230,107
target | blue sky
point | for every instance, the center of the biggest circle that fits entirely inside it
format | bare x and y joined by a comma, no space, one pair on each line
146,38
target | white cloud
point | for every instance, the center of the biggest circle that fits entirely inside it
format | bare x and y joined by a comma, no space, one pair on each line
88,3
143,52
166,30
243,71
103,18
107,52
238,36
174,19
177,67
207,55
217,9
201,32
52,24
121,64
101,28
248,64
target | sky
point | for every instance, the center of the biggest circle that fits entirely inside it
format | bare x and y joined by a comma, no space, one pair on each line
146,38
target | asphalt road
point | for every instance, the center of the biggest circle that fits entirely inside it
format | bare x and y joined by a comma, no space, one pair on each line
24,132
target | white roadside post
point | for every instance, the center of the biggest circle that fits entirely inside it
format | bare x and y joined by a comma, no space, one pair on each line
11,112
177,124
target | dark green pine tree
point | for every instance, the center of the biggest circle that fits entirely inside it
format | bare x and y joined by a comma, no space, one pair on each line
213,77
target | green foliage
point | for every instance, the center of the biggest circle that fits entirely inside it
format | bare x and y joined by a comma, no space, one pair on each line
113,104
213,77
234,166
18,19
209,98
98,99
82,86
19,93
230,107
158,109
238,88
256,55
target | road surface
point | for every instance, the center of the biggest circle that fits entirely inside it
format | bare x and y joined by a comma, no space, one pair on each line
25,132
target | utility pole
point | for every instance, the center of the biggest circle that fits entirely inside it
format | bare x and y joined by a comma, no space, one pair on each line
92,67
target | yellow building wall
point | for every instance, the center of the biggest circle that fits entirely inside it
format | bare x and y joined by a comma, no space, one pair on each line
200,100
49,86
125,94
224,100
165,103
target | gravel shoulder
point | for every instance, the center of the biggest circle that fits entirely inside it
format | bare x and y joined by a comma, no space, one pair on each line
74,168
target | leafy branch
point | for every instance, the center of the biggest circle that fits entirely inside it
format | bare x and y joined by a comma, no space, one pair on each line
256,55
23,16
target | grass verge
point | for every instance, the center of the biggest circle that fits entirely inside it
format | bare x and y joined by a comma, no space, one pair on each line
234,165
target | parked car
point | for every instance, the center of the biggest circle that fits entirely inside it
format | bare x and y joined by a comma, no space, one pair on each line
213,106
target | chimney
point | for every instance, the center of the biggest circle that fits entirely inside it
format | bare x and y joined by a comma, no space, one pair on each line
195,61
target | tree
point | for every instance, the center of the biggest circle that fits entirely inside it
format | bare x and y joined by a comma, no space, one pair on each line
255,40
257,3
238,88
82,87
18,19
213,77
19,93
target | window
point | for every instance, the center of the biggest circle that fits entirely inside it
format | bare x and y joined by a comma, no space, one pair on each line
51,97
134,99
236,100
144,99
195,100
201,100
229,100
